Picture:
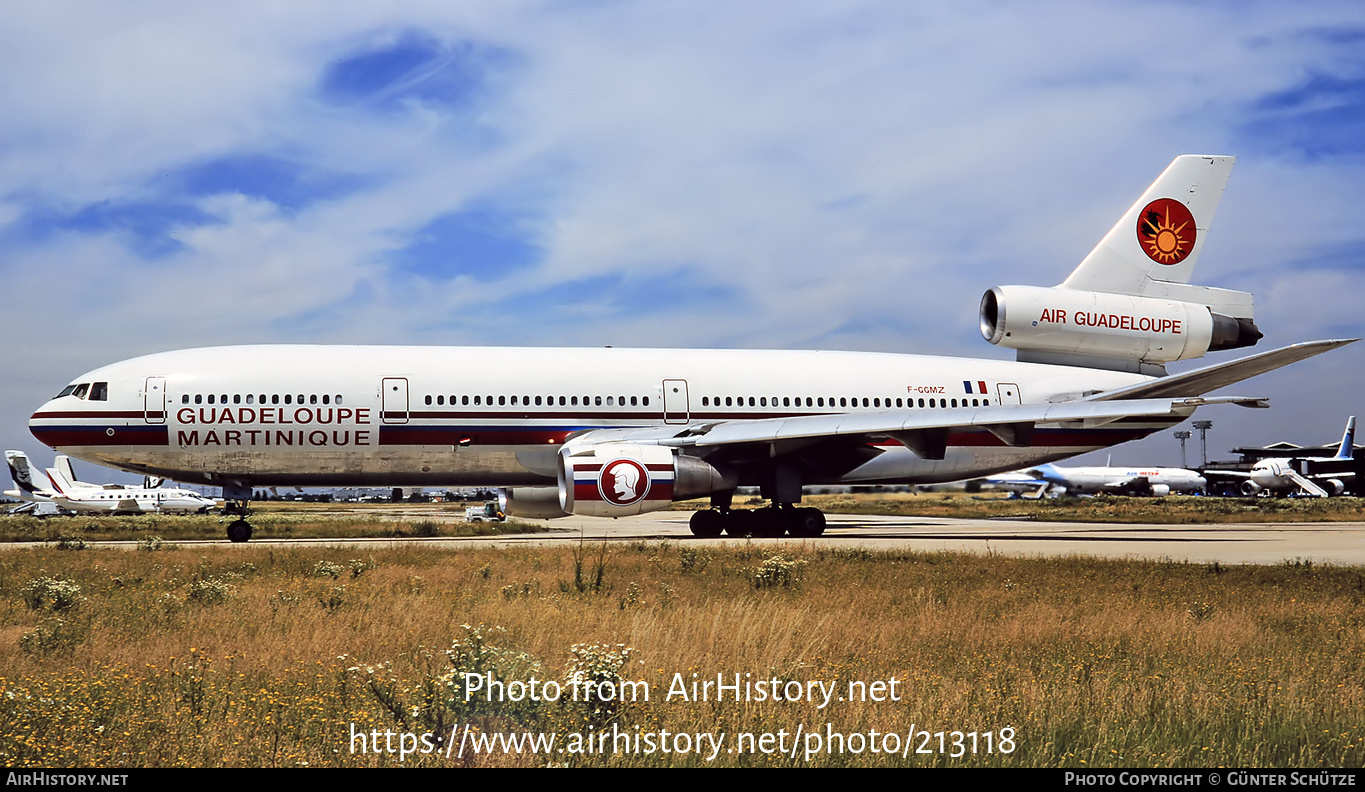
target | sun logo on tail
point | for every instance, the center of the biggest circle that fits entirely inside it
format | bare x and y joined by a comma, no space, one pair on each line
1166,231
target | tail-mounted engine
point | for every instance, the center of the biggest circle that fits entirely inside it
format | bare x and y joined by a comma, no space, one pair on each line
1104,330
617,480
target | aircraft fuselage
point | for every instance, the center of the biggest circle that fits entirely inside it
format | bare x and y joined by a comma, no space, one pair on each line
443,416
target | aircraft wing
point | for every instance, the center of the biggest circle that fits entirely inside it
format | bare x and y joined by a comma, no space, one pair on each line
128,504
1024,485
1123,485
923,431
1016,479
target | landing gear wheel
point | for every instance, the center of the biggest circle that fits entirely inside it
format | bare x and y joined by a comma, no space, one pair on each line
707,524
806,523
239,531
769,523
740,523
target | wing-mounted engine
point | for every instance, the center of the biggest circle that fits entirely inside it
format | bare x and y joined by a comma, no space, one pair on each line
617,480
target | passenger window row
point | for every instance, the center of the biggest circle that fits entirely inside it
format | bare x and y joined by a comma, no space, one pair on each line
538,401
842,401
251,398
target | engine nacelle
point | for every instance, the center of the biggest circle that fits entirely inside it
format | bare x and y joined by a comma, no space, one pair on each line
1251,488
1161,490
1334,487
1063,322
536,503
617,480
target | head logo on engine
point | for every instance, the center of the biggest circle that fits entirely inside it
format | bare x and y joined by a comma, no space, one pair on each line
1165,230
623,482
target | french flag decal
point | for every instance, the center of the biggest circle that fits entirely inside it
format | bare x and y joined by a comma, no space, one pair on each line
967,387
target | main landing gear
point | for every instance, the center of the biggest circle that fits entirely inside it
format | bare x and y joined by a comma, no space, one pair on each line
774,521
239,531
235,500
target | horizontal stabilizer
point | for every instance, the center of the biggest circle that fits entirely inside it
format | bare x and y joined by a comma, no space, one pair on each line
1209,378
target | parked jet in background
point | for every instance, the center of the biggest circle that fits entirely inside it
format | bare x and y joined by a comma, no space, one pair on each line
59,486
32,484
1318,477
1156,481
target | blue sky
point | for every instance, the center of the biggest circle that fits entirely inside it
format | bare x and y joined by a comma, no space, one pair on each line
790,175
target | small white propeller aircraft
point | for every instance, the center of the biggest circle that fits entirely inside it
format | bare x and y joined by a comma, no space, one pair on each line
617,432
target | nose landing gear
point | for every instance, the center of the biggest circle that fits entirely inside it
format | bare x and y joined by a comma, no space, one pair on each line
235,500
239,531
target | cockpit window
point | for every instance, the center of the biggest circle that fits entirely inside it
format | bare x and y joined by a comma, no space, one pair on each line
99,391
81,390
66,391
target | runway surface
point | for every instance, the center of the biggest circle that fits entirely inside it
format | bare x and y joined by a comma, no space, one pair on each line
1249,543
1263,543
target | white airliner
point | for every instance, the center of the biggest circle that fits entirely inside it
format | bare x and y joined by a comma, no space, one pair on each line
1156,481
60,487
1319,477
616,432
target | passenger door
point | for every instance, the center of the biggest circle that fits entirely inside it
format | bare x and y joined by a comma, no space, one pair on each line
394,400
676,410
154,401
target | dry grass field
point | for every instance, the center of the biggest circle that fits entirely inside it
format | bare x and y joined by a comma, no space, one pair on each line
263,656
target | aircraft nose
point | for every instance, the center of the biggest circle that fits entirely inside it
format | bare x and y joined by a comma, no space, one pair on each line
38,424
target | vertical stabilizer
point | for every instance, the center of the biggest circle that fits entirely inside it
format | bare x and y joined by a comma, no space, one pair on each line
1158,241
1348,440
32,484
63,465
63,479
